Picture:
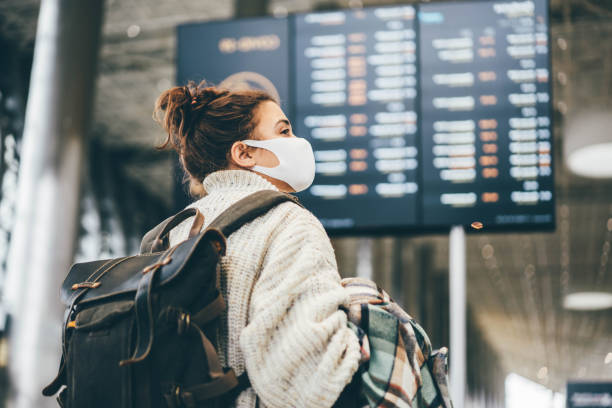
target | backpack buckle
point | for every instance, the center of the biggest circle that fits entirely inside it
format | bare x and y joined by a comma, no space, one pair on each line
88,285
184,322
177,396
173,397
156,265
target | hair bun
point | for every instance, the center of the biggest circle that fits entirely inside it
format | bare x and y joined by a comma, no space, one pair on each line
201,96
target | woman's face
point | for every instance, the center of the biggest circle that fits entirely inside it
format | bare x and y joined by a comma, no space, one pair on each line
271,123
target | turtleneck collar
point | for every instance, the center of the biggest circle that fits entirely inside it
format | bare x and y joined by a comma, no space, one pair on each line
236,180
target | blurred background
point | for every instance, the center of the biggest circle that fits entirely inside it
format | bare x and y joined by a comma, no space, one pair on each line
524,342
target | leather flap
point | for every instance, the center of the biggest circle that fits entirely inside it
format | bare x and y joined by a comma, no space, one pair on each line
120,277
99,316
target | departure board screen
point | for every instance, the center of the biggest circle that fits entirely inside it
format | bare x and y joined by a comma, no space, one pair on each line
420,116
356,100
485,136
246,54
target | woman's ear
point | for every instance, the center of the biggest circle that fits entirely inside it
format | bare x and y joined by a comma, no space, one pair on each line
242,155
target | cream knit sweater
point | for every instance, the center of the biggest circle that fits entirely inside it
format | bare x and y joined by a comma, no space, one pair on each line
281,284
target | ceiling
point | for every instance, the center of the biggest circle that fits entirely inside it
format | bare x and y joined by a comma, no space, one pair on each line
516,282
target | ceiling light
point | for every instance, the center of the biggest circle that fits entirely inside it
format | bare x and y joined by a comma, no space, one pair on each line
133,31
588,144
280,12
588,301
543,373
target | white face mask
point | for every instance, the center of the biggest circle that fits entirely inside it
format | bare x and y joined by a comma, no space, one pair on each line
296,160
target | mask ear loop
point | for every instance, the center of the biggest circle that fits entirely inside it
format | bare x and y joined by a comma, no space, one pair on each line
248,168
260,147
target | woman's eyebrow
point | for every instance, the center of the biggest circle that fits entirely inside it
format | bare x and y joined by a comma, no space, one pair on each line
285,121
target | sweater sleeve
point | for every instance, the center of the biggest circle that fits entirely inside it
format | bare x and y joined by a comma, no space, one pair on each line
298,350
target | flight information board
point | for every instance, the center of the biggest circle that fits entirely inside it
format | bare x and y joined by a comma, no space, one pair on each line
420,116
485,129
355,100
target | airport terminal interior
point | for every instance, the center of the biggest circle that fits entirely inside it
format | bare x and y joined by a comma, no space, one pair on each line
527,337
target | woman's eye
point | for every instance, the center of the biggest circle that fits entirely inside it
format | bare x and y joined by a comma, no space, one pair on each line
285,131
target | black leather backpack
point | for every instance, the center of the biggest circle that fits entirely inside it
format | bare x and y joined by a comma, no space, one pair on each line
139,331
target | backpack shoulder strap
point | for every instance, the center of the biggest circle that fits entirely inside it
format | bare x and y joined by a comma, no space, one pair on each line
228,221
249,208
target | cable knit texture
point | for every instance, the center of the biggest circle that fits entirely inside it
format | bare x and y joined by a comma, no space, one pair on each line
281,284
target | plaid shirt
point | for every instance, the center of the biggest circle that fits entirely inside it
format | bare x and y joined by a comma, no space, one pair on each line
399,368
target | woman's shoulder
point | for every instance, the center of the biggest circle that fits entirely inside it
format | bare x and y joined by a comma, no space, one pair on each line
289,225
295,238
294,215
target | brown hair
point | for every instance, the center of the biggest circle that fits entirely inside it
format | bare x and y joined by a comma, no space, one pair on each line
203,122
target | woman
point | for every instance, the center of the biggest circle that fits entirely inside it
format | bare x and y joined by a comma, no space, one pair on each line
279,275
